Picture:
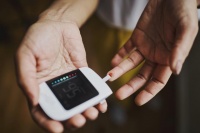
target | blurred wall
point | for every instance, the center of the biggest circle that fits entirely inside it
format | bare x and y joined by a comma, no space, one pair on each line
188,92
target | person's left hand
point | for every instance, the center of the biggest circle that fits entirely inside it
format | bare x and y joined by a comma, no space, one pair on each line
49,49
163,38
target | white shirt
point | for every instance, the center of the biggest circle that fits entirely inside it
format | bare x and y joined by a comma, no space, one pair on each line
121,13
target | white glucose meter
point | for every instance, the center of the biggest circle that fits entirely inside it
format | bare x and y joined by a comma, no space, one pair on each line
72,93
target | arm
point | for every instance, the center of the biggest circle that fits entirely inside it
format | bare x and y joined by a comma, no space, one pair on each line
162,39
76,11
53,46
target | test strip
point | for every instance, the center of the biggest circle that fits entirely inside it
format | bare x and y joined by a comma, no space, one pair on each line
106,78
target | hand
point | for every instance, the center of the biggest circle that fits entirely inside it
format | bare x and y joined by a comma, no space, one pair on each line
162,38
50,49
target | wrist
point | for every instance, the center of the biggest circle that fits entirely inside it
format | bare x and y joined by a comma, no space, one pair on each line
57,13
74,11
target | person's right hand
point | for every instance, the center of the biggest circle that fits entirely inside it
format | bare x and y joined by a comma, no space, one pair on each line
50,49
162,40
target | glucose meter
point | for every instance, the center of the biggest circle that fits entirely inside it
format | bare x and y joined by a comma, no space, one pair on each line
72,93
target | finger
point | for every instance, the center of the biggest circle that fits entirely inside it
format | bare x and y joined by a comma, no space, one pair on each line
26,74
122,53
185,35
137,82
102,107
132,61
158,81
76,121
48,124
91,113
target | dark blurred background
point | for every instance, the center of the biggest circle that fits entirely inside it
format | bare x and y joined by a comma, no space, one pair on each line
176,109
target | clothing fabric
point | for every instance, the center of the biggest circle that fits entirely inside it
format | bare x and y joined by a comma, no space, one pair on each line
101,44
121,13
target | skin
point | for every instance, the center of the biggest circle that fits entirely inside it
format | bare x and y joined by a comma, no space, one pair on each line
51,47
162,40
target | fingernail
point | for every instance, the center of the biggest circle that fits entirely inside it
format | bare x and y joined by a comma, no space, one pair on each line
111,76
178,67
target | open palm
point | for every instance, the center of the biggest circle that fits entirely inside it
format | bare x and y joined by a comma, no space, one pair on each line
163,38
50,49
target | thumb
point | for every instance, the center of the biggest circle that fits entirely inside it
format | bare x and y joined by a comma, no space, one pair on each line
185,35
25,65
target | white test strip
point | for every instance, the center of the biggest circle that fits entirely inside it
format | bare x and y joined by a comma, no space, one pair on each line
106,78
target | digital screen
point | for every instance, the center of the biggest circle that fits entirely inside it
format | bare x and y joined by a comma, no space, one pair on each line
72,89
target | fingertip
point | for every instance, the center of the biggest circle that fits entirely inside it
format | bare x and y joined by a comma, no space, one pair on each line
102,107
91,113
116,60
55,127
120,95
76,121
124,92
143,98
176,67
172,62
112,74
113,62
138,102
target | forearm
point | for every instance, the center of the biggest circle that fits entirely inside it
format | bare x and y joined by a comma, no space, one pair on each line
76,11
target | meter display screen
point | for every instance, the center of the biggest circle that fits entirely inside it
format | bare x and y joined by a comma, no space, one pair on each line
72,89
